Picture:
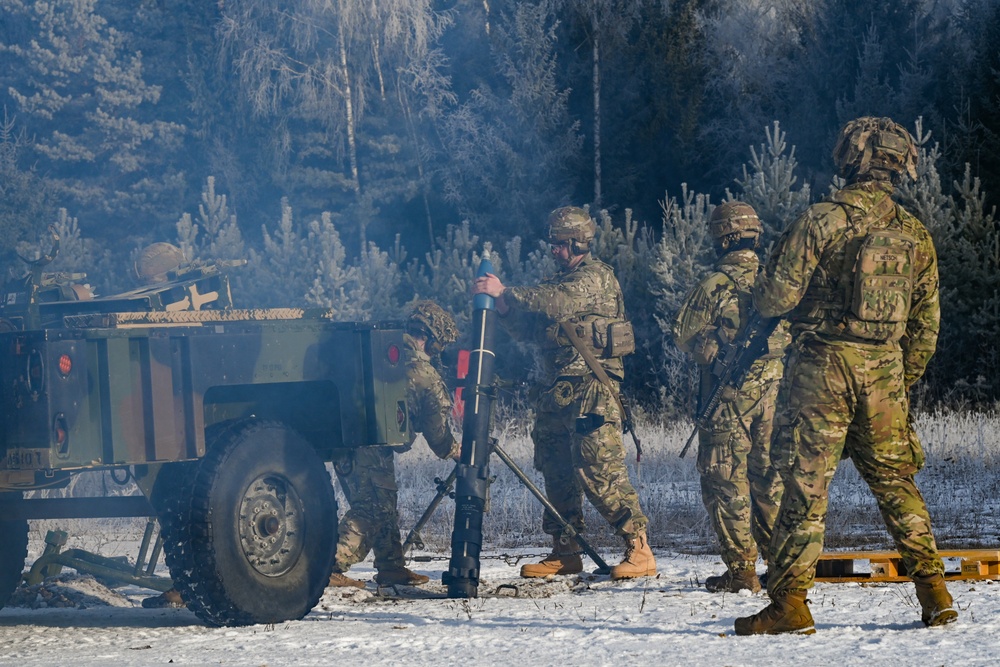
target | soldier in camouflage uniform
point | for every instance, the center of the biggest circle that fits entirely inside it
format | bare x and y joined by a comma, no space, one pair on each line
857,277
578,421
740,488
368,476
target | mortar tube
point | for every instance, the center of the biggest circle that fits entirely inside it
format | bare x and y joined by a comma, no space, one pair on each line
472,481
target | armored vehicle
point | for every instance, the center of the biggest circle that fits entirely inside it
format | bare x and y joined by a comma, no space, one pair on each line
224,418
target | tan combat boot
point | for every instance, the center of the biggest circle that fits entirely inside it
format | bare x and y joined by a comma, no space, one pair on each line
935,600
787,613
400,576
638,561
341,580
734,581
562,560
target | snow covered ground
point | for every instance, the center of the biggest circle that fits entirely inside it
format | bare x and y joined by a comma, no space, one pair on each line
568,621
669,620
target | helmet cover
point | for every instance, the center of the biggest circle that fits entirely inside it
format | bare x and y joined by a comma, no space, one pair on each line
437,323
157,260
876,146
734,217
571,223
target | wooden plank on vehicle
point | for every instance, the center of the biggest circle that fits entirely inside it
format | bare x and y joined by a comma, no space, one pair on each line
887,566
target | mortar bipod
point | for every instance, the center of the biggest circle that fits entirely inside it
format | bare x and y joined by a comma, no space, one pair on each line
444,488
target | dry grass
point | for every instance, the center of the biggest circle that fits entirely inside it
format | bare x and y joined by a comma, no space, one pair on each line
961,483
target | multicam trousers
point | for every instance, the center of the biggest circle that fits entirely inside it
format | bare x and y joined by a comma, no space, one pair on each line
579,451
739,487
845,399
368,479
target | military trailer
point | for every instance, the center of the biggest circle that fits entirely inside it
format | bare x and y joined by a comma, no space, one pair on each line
224,418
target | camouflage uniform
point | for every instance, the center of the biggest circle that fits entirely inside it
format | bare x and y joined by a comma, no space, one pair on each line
740,488
847,381
577,431
369,477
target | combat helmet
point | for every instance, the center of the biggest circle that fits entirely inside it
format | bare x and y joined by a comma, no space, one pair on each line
573,224
156,260
877,148
734,217
429,319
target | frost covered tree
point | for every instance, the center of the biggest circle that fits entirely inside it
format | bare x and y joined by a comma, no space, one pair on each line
79,88
315,69
513,148
683,256
25,200
768,184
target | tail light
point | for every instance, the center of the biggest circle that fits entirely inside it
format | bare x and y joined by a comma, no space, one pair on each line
65,364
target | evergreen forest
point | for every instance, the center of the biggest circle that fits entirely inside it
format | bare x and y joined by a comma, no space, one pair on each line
361,154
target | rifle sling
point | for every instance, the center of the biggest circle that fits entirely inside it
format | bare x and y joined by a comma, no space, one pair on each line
593,363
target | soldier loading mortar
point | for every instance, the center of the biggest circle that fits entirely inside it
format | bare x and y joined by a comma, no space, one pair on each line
223,417
577,435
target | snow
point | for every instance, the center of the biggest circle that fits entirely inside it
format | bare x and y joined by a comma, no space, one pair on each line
566,621
571,620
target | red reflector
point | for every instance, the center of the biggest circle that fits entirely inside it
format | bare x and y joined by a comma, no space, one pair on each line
65,364
393,354
60,436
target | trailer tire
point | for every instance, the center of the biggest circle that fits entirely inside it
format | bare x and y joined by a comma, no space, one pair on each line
255,542
13,551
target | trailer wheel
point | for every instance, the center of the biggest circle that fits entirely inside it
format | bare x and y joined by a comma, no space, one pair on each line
13,551
256,541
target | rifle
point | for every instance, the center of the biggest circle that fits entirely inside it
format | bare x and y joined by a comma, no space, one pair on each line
731,366
628,426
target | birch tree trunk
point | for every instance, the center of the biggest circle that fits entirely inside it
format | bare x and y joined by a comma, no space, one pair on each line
352,143
596,50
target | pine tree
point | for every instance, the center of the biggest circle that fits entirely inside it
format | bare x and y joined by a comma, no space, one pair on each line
81,91
513,148
683,257
25,198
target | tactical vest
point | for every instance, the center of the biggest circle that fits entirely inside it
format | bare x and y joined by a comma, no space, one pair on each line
744,297
862,288
610,337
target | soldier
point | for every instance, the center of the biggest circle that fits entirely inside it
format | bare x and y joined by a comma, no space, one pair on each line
578,420
857,277
156,261
740,488
368,477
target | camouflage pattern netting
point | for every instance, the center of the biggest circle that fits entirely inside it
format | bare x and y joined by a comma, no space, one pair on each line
740,488
845,393
577,432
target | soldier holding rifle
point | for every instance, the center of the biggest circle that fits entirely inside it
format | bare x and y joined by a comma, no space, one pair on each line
739,487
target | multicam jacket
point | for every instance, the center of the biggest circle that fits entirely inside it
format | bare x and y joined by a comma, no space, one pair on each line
810,275
429,401
579,296
714,314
